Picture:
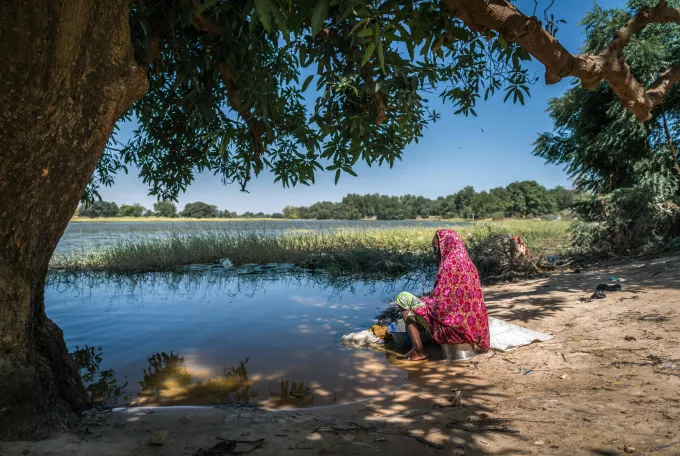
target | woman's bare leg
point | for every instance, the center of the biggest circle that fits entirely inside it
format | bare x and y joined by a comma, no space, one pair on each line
417,352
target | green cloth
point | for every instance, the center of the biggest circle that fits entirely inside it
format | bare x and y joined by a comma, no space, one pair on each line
410,302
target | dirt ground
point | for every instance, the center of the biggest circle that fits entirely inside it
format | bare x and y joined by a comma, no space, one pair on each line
608,383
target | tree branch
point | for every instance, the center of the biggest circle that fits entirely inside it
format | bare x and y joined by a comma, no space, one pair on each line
527,32
660,13
662,85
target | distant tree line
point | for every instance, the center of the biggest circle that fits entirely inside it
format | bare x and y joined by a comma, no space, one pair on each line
519,199
164,209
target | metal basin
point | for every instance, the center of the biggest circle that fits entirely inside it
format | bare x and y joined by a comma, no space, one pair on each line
456,352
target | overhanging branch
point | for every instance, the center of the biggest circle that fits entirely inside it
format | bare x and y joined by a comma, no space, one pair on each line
527,32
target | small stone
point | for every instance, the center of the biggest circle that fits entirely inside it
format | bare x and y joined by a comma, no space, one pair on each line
629,338
563,376
381,439
158,437
539,442
629,449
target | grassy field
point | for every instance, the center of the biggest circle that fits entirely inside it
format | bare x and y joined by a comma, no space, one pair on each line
379,250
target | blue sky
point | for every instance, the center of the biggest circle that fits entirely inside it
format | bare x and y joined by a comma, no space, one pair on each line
490,150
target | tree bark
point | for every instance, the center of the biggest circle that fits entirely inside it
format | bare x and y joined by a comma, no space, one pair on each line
67,73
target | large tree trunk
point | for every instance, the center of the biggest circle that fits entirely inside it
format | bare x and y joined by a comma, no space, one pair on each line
66,74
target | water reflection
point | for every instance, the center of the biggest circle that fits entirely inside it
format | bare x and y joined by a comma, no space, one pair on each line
101,386
167,381
291,395
269,340
195,284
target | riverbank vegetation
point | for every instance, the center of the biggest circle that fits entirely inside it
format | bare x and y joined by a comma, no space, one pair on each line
357,251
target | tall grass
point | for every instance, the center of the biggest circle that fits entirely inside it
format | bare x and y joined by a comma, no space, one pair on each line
391,250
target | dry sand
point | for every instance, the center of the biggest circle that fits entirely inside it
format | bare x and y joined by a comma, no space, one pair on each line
608,383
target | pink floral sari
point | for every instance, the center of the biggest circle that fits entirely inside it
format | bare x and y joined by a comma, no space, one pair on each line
455,311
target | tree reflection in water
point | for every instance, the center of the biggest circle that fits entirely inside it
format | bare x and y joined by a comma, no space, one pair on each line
292,395
168,381
101,385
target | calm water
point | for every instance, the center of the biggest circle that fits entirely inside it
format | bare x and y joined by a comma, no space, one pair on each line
208,338
79,236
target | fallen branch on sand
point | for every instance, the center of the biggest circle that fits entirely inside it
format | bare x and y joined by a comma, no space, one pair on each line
372,430
484,426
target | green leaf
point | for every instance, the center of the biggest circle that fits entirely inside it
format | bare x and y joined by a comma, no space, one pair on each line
303,55
381,56
365,33
502,42
280,20
524,55
350,171
319,15
346,14
307,81
337,176
264,12
357,25
367,54
459,33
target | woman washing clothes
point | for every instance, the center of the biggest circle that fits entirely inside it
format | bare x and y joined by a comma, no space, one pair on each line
454,313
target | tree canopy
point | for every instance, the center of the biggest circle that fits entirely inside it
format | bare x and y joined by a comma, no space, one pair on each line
200,210
519,199
240,87
631,169
165,209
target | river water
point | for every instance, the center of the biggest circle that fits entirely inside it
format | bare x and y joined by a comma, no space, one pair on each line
93,235
210,338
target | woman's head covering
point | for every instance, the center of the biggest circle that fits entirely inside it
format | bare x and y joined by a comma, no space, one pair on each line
455,311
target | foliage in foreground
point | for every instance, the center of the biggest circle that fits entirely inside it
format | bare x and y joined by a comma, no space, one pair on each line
377,251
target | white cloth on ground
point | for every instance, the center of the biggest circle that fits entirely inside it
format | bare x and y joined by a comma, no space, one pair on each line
504,336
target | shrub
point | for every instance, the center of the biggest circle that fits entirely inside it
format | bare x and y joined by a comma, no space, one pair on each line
200,210
165,209
99,209
135,210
